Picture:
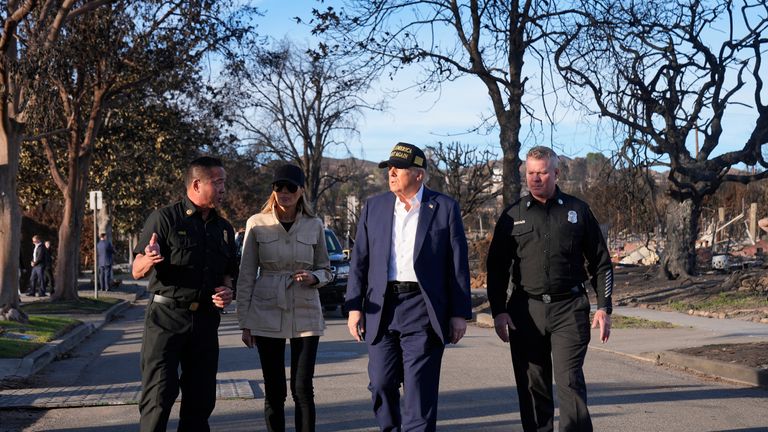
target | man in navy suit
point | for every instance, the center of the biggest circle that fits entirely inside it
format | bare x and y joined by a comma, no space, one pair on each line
408,291
105,253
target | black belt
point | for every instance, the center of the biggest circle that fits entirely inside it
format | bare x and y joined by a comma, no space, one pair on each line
551,298
402,287
157,298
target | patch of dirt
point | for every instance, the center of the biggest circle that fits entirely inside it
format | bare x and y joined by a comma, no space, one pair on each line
701,294
750,354
641,287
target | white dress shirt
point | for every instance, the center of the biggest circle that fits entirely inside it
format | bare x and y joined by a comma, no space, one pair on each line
36,253
404,223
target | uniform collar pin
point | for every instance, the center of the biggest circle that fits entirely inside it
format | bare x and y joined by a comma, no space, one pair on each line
189,212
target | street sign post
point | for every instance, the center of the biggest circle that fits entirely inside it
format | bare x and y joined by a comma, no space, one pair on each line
96,202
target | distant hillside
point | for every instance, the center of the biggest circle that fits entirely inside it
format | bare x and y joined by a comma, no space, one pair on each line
575,173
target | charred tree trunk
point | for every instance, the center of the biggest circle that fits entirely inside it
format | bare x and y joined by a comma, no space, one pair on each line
682,226
509,138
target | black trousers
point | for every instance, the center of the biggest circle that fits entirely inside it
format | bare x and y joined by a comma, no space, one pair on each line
551,338
173,338
303,357
48,273
37,281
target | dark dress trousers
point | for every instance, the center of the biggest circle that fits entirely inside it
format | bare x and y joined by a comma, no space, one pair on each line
406,332
37,280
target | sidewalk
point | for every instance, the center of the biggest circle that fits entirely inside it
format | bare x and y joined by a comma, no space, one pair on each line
91,323
655,345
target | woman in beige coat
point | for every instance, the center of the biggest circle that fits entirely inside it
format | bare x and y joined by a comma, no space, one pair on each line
284,262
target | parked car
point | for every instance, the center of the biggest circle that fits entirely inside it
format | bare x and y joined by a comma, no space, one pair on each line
332,294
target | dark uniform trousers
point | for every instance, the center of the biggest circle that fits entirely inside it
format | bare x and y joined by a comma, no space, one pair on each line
176,337
408,352
562,329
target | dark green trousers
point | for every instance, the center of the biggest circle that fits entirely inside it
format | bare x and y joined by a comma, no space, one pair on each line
550,338
174,338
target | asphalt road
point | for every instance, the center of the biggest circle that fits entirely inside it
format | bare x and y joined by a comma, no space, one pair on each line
477,390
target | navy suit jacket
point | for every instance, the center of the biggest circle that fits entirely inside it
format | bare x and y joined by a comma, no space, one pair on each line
104,252
439,256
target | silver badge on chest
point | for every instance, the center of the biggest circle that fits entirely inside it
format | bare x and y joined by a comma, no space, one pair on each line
572,217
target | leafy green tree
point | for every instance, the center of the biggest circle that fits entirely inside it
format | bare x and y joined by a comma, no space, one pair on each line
29,28
91,68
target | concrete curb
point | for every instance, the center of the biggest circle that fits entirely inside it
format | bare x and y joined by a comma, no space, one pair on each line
730,371
38,359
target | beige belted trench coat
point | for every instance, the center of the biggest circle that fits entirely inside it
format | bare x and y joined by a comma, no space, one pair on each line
269,302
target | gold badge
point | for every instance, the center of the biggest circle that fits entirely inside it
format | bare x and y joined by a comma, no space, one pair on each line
189,212
418,161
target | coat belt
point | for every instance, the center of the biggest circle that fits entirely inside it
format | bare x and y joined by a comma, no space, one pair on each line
285,279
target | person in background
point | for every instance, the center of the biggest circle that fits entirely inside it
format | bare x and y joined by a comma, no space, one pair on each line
540,246
188,251
284,262
105,253
37,279
49,282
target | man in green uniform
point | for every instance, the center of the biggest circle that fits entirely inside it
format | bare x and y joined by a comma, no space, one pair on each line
539,248
188,251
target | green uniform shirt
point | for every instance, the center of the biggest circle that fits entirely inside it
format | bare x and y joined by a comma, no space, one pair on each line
198,254
542,248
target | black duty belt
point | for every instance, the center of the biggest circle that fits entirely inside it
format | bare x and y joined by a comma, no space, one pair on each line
157,298
551,298
402,287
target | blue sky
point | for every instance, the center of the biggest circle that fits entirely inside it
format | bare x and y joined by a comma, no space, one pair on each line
425,119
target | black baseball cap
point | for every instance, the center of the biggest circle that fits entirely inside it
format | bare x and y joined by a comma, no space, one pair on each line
290,173
405,155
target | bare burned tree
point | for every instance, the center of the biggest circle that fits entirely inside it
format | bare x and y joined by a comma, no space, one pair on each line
465,173
295,106
489,40
628,194
659,70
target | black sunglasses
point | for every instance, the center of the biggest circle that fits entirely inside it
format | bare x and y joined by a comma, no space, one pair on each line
279,186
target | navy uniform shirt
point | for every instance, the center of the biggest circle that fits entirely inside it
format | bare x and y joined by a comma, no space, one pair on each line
541,248
198,254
